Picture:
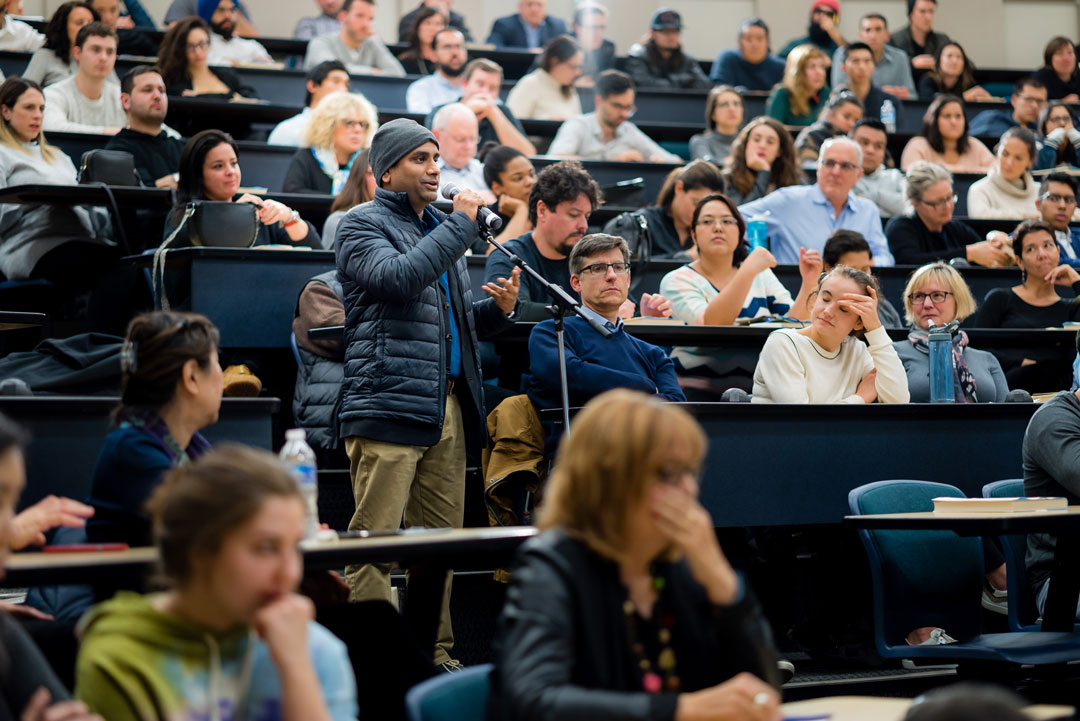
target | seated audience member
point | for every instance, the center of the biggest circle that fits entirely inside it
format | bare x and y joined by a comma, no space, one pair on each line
859,66
846,247
729,281
659,61
805,215
952,74
320,368
548,93
457,132
87,102
825,362
1028,99
53,61
929,233
226,47
172,385
666,230
355,44
483,78
323,79
762,159
1057,207
918,39
607,133
530,28
590,30
510,176
17,36
156,152
133,15
227,528
944,139
891,65
129,40
359,188
1034,303
799,98
560,203
30,688
1059,140
1059,73
61,243
885,187
339,128
1051,454
210,170
419,56
823,32
723,117
457,21
937,294
751,66
838,117
600,274
180,9
325,22
627,551
1008,190
446,83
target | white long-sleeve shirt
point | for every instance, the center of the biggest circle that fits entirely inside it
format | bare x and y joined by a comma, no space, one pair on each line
794,369
69,111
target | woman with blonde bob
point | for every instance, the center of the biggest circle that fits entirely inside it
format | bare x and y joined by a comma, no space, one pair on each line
341,125
799,99
626,602
937,294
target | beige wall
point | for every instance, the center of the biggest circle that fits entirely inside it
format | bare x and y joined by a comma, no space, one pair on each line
980,25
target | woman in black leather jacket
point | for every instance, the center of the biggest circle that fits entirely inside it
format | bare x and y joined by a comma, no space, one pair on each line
626,608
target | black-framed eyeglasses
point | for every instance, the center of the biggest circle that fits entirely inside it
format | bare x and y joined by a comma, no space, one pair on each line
937,297
601,269
1057,198
939,204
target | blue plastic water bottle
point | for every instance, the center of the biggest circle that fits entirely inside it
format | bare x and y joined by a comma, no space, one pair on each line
941,365
757,234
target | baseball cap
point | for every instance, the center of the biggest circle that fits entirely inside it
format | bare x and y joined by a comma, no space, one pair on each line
831,4
665,19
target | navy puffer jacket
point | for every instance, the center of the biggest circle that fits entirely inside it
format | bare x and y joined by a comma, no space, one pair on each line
397,321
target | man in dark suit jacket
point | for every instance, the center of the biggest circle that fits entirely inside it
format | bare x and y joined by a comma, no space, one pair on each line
531,27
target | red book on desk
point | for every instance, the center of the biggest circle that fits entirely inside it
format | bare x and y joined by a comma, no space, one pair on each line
1000,505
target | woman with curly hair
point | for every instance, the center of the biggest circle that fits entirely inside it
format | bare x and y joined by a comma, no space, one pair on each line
341,125
799,98
762,159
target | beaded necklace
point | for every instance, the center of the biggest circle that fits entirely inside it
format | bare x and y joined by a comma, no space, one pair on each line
665,663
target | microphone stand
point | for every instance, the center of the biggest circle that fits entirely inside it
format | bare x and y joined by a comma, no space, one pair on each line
562,305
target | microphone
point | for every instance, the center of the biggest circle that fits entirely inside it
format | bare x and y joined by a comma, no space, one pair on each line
484,216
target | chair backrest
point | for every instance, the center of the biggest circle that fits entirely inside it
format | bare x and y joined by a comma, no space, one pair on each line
450,696
921,578
1022,610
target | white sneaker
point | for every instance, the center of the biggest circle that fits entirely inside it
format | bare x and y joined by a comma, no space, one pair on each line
938,637
995,600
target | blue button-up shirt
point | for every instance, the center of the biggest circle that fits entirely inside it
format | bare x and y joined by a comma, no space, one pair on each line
429,92
800,215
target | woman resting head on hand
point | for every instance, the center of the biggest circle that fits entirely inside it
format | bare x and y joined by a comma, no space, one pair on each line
231,636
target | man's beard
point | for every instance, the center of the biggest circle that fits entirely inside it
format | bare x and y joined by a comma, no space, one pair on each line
225,31
819,36
451,72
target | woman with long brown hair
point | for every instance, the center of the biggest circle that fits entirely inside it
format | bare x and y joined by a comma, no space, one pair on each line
762,159
799,98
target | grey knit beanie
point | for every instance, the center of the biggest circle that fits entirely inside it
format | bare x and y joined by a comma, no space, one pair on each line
393,141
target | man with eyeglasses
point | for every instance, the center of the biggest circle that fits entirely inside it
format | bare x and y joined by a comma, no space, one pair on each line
447,83
323,79
600,273
1028,99
607,133
226,47
751,66
804,216
590,29
1057,206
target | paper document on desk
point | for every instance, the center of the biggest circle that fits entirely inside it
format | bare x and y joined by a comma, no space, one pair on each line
1000,505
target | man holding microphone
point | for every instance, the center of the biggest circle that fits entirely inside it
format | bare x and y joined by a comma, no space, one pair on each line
412,394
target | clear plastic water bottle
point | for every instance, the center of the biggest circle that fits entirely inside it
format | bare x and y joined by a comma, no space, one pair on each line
941,365
888,115
300,460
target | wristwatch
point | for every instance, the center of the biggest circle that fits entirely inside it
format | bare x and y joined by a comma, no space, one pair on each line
294,218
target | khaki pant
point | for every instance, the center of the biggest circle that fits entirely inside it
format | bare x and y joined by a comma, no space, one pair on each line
426,485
